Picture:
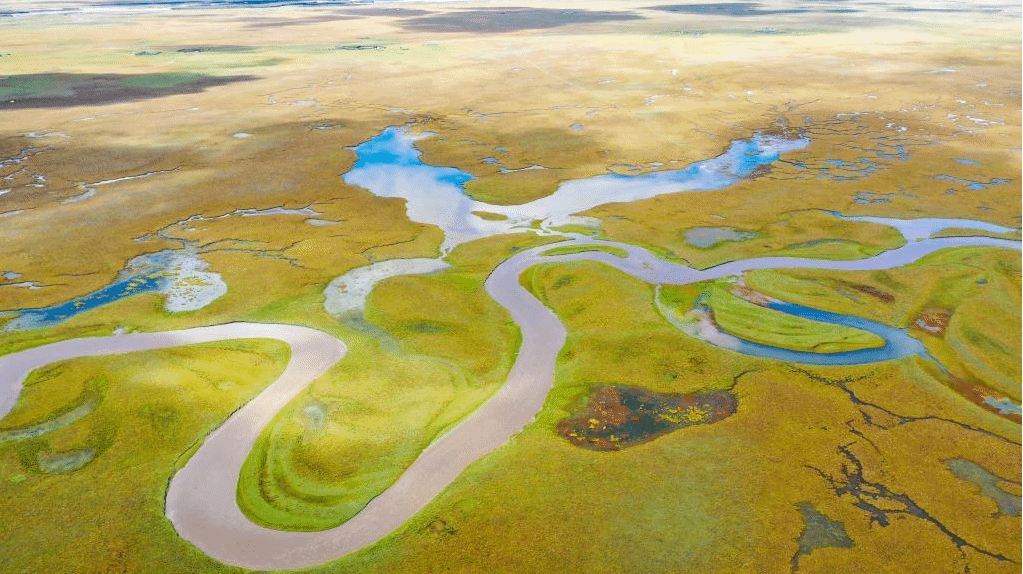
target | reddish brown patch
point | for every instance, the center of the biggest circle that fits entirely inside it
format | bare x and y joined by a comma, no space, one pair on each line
759,171
976,393
932,320
751,295
617,417
870,290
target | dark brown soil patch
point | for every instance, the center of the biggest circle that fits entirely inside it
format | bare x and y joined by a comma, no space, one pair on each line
759,171
977,393
440,528
751,295
66,90
617,417
869,290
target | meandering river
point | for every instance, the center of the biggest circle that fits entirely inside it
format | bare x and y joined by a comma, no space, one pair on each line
201,499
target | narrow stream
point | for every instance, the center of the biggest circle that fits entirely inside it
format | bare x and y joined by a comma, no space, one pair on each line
201,501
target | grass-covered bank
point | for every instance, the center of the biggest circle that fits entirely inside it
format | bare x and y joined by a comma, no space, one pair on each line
347,438
756,323
706,497
89,496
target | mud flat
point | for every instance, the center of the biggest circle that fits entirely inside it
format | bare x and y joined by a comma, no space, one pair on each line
347,294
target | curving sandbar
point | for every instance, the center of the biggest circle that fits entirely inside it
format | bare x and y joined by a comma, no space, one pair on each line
201,499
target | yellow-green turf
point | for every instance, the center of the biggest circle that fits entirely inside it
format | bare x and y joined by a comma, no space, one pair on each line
570,249
721,498
973,285
152,409
350,435
769,327
705,499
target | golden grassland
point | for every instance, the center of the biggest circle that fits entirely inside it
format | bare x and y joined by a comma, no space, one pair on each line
310,101
620,335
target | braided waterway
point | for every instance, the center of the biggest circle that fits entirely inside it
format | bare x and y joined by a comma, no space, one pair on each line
201,499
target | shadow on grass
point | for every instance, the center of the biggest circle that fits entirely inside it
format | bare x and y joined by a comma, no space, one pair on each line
497,20
66,90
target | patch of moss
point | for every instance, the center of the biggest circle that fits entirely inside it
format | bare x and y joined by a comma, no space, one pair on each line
613,418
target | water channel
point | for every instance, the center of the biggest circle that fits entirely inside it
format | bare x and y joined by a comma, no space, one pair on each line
201,500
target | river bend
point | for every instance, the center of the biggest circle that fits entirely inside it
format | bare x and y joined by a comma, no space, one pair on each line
201,498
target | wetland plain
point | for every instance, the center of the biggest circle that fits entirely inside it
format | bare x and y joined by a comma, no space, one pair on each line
601,287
